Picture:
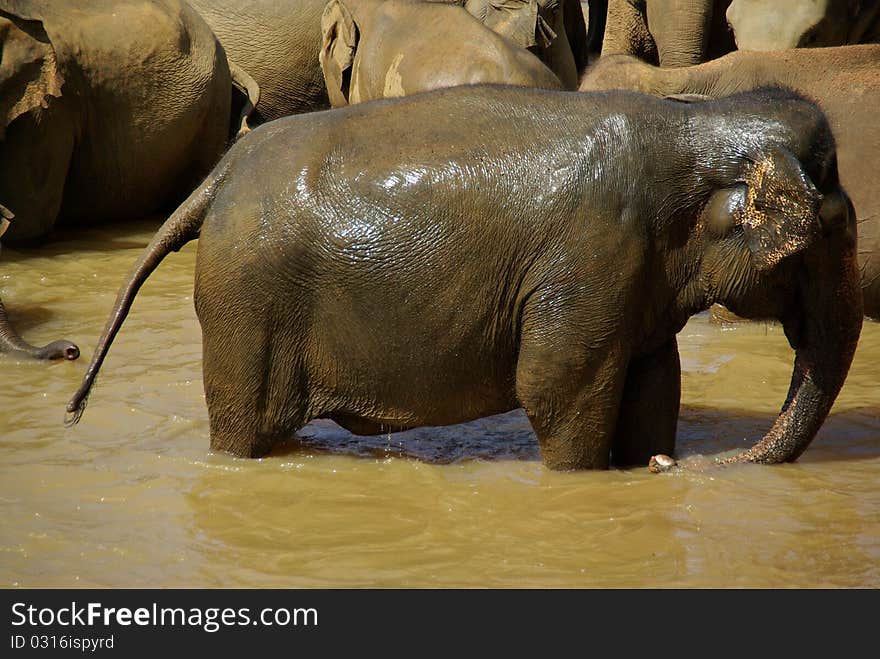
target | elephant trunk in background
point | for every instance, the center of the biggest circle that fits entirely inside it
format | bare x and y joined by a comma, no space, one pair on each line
824,337
681,31
10,341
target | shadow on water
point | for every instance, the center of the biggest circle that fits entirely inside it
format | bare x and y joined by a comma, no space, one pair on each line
849,435
63,241
26,316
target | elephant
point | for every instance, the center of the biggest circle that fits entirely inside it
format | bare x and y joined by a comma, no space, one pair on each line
554,30
669,33
413,261
844,81
783,24
11,341
278,42
111,109
370,51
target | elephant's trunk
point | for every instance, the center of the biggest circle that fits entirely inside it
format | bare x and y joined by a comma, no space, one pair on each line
10,341
681,31
825,341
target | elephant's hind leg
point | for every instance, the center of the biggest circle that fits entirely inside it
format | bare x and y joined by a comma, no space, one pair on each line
648,415
254,397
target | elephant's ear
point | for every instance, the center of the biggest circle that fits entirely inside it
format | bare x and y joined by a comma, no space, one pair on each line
516,20
778,209
339,39
246,93
29,71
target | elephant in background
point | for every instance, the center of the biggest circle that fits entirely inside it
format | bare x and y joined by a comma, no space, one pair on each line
668,33
554,30
782,24
370,51
278,42
844,81
415,261
110,109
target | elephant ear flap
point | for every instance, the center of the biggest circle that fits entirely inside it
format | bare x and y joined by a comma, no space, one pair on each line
339,38
780,216
29,72
516,20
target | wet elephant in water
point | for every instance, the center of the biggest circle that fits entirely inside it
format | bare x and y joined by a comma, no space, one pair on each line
370,51
414,261
845,81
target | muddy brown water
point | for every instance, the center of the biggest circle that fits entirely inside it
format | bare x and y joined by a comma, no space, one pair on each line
132,497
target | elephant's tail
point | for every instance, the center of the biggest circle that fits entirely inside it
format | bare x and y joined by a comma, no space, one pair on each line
181,227
244,85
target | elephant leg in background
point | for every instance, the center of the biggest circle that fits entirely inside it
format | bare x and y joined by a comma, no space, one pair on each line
34,160
570,392
648,416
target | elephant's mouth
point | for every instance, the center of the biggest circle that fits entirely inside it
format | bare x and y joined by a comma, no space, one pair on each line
4,224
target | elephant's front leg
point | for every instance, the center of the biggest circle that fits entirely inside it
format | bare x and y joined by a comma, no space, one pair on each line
571,395
648,415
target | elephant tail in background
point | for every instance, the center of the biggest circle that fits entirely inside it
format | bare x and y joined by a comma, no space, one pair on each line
179,229
245,85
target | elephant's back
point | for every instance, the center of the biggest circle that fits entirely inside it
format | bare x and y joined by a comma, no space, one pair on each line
277,43
155,105
453,49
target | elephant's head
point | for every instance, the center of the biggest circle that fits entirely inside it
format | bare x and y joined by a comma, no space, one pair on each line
553,29
782,24
29,71
776,238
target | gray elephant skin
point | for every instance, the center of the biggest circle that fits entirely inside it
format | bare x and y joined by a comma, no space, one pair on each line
277,43
370,51
844,81
413,261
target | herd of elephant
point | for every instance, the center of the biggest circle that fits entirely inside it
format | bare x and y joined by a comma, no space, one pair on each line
568,154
